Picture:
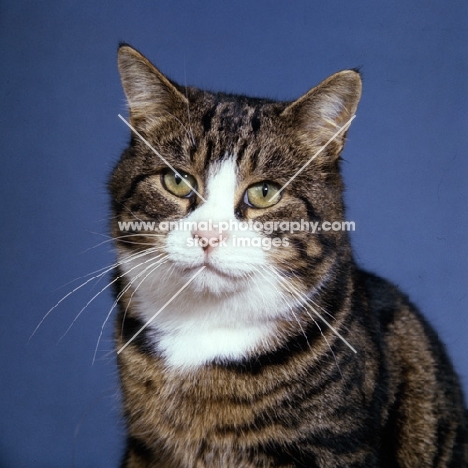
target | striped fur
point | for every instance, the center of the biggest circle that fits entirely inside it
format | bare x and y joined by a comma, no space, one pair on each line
294,394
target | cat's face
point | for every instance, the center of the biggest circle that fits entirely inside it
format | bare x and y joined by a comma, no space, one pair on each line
223,178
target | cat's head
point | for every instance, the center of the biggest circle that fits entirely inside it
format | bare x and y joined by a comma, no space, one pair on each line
227,168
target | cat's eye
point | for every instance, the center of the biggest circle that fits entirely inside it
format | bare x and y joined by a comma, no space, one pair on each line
262,195
178,183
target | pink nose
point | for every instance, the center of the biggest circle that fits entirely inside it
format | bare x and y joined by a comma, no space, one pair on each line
208,240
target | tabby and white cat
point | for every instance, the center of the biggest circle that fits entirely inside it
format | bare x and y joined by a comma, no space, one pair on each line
277,351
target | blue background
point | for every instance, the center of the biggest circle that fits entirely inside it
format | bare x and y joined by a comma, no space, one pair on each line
406,173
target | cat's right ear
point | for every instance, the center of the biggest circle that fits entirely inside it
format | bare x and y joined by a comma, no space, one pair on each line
150,95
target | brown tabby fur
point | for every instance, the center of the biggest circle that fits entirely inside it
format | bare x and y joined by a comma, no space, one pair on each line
304,399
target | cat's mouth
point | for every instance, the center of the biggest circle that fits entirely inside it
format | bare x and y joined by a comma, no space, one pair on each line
211,267
211,279
212,275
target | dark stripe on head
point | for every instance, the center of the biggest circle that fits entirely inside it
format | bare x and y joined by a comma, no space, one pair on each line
192,150
254,160
241,151
255,121
207,118
208,154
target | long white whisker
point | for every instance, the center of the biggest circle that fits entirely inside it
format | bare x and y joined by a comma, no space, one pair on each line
188,108
291,288
329,325
303,297
69,294
158,262
143,139
106,268
189,133
290,308
113,239
161,262
325,311
98,293
161,309
131,212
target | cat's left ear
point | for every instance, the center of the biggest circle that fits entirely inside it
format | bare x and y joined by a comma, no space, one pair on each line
324,110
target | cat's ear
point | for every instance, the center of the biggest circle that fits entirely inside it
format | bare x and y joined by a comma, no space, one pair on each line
320,113
150,95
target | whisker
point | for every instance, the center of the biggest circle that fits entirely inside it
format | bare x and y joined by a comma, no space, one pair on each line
313,320
134,242
291,310
66,296
109,267
129,211
132,257
98,293
297,293
189,133
294,274
188,109
161,262
103,271
106,268
124,290
337,333
113,239
252,277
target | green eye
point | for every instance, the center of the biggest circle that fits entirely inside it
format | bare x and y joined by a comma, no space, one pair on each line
262,195
180,184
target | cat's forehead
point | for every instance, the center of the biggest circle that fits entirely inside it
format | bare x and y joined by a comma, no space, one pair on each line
228,125
230,113
231,117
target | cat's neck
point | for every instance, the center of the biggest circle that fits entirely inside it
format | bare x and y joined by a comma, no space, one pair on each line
195,330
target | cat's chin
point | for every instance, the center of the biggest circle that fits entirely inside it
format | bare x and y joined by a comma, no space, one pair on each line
210,279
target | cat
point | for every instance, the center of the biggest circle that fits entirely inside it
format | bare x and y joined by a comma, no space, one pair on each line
278,351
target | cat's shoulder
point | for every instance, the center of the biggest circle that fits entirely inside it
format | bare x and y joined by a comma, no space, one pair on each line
386,301
396,314
381,293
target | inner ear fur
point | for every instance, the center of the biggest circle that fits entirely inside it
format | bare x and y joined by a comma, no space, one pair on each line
324,110
150,94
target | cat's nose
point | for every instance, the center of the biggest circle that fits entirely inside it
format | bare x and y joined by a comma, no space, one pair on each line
209,239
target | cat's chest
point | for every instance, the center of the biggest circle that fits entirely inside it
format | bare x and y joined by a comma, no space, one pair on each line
193,333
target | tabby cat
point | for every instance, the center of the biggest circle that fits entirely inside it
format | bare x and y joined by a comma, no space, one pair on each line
277,351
